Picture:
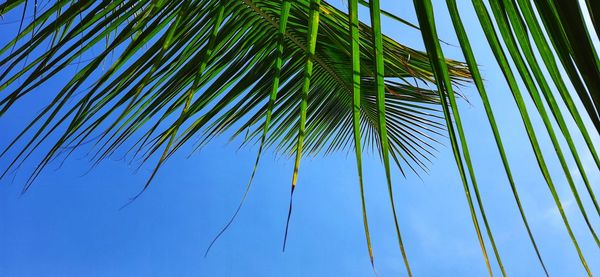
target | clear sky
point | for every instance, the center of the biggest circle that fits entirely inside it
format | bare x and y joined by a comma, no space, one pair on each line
69,223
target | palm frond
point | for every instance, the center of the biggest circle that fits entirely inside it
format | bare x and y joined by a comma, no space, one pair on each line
302,77
148,84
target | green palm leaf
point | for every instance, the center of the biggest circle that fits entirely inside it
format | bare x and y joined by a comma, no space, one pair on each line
302,77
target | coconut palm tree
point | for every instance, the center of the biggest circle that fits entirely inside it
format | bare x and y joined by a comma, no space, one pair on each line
303,77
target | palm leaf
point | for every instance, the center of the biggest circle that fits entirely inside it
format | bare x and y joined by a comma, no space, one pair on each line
302,77
136,93
355,43
381,115
468,53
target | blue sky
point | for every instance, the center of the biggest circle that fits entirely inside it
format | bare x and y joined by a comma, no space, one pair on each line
69,223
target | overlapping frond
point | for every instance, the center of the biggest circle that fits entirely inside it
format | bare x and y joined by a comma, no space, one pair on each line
517,24
302,77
